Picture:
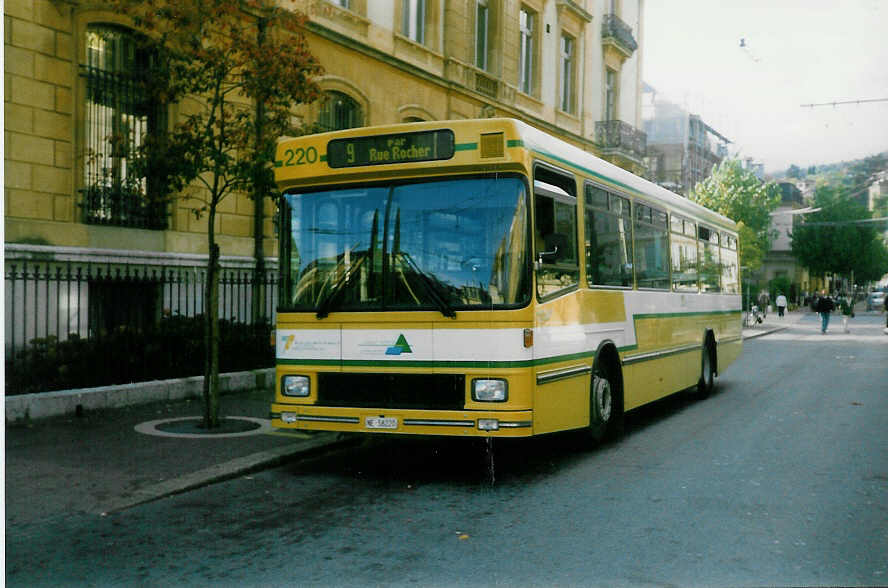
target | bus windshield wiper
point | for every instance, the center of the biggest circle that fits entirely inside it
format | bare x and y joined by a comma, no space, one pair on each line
326,303
431,287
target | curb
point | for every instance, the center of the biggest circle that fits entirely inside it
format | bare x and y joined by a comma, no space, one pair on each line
756,334
226,471
64,402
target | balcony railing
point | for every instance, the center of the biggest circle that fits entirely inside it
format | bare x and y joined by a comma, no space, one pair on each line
486,85
618,137
614,30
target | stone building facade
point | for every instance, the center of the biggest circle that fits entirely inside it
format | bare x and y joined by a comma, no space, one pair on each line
570,67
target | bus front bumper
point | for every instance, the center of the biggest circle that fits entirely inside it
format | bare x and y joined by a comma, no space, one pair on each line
402,421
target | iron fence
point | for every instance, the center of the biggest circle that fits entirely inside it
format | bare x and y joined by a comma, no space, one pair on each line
53,307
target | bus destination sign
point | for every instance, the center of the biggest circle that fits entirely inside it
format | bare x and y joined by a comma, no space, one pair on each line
383,149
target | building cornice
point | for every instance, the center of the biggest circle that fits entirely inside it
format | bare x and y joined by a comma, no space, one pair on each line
571,6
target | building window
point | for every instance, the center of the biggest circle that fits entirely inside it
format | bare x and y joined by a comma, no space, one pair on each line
117,120
610,95
567,73
482,37
413,18
342,3
526,25
339,111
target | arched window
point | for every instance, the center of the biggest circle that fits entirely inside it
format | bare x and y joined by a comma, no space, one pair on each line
339,111
117,120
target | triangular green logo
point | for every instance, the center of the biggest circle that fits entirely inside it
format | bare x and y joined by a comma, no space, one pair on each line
402,343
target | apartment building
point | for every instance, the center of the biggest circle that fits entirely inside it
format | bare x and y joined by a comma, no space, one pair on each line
779,261
570,67
682,148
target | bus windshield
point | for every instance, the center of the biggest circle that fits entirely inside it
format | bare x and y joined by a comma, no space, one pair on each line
441,245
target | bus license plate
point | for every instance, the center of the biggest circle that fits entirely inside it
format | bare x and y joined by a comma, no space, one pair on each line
381,422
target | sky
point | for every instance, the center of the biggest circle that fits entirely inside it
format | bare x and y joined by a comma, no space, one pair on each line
796,52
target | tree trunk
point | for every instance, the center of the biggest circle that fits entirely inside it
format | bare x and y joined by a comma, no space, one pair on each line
258,294
211,336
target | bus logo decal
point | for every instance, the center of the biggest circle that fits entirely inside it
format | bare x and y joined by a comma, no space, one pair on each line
400,346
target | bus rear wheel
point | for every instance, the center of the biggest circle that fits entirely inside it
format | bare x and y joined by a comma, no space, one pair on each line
707,371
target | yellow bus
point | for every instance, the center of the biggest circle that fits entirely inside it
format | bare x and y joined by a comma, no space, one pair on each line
483,278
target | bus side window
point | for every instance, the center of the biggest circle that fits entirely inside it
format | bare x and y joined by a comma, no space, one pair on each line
710,262
729,263
555,241
684,255
651,247
608,239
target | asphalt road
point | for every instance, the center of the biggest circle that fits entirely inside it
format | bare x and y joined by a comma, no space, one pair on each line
779,478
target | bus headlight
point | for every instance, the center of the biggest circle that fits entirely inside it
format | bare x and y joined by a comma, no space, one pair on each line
295,386
490,390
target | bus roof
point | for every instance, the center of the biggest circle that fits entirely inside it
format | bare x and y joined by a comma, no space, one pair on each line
299,159
610,174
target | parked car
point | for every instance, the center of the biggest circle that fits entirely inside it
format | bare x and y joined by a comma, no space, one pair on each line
875,300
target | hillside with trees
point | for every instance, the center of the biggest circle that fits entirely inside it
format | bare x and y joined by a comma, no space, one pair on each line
842,237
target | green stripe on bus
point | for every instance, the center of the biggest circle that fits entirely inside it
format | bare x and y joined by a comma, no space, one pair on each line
465,147
685,314
515,143
407,363
440,364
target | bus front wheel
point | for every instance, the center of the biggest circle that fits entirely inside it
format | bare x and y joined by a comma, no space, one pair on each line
605,407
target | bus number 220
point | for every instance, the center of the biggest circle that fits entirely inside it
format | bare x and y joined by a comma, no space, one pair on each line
300,156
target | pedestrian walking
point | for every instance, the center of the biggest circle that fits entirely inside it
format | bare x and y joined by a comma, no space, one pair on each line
886,315
824,305
781,303
763,301
847,312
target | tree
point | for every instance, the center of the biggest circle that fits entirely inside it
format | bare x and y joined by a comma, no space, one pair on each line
235,68
830,241
861,172
738,194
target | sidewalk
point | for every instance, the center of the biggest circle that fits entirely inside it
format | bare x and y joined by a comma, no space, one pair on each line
773,323
98,463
